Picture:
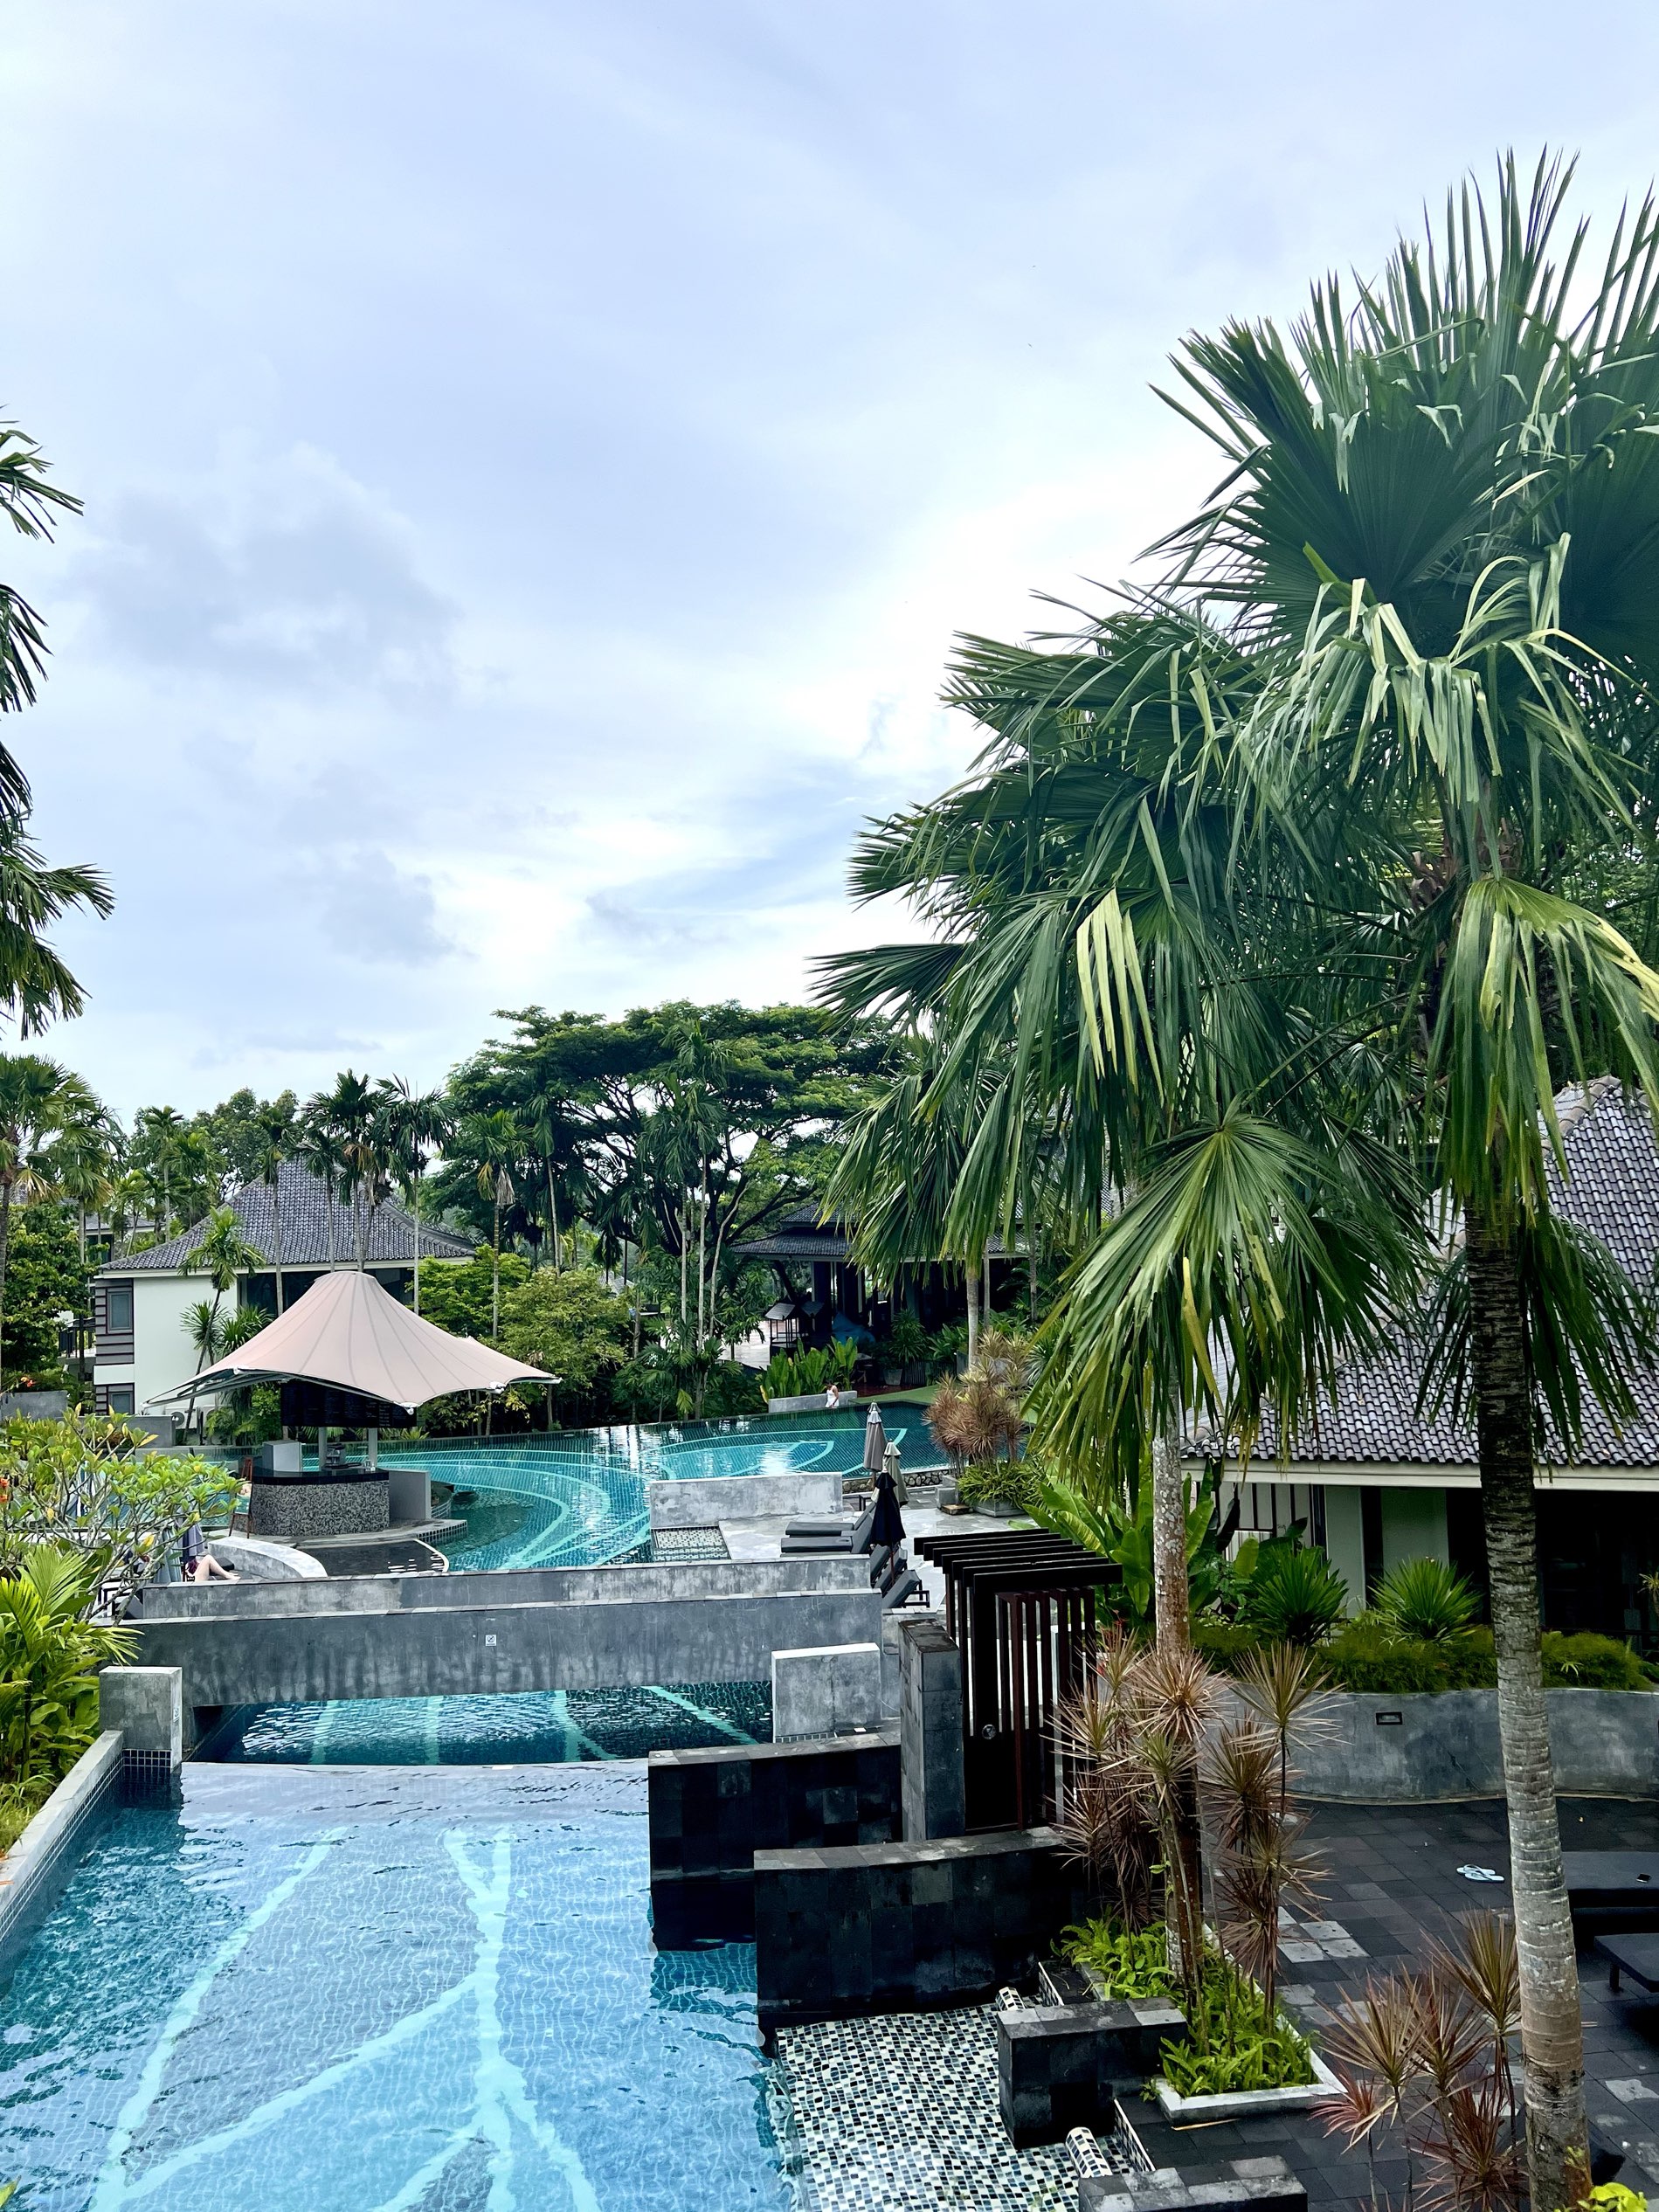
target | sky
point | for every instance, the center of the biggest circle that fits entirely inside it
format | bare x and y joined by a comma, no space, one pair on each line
536,457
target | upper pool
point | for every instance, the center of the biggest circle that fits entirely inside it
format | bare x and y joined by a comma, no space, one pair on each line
423,1991
576,1498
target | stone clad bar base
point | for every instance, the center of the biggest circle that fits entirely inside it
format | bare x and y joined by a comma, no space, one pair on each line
1235,2185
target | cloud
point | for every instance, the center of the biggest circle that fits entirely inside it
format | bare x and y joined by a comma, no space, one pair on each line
296,581
370,910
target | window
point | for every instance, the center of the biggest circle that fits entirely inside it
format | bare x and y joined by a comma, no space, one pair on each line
120,1394
118,1311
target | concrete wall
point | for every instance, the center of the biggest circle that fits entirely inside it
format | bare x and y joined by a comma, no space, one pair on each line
268,1643
1414,1526
931,1730
1368,1749
33,1872
706,1500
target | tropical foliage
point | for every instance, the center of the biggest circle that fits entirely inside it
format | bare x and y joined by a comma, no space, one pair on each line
1287,895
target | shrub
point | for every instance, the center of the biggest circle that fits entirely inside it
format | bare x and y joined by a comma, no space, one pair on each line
1370,1653
1233,2040
1224,1643
908,1342
1423,1598
1009,1480
1586,1661
1131,1965
1295,1596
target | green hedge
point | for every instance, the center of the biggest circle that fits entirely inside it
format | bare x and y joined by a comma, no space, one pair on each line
1365,1654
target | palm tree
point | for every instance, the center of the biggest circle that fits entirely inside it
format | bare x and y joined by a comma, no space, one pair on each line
493,1143
317,1149
417,1125
1359,884
348,1113
39,1098
222,1253
275,1137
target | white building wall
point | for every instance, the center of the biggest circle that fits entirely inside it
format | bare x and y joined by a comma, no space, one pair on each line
162,1353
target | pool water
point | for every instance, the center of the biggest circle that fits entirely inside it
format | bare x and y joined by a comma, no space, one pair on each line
576,1498
533,1726
311,1991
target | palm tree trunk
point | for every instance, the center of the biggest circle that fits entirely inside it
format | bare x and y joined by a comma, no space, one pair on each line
5,1252
415,1194
553,1216
1170,1607
495,1280
970,1277
1552,2023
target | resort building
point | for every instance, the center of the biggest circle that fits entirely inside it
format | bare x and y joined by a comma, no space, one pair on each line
141,1300
823,1295
1377,1483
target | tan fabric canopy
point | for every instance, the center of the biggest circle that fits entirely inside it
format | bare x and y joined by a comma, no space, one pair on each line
348,1332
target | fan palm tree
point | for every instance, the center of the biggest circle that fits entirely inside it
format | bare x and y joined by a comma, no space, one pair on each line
1298,891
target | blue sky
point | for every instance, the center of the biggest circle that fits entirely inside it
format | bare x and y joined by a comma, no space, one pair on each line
535,456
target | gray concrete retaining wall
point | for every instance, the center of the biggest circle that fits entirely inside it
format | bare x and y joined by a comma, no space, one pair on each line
270,1644
645,1581
1362,1747
705,1500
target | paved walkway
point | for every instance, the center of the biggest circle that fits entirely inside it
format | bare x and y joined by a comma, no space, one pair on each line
1392,1885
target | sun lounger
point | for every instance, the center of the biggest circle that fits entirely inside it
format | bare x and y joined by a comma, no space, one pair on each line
836,1525
1633,1957
854,1537
1612,1881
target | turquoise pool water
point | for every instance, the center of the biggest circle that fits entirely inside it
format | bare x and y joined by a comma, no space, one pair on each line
353,1992
576,1498
533,1726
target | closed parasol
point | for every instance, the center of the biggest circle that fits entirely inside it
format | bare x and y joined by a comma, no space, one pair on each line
874,1442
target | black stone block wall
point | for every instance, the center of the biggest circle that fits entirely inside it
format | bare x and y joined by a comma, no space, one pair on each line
1057,2064
710,1811
891,1927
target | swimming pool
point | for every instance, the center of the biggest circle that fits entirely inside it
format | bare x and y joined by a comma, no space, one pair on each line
576,1498
345,1991
531,1726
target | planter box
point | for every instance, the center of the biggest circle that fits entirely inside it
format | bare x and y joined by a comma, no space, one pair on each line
1240,2104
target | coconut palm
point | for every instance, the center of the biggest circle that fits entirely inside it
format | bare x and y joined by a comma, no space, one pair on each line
222,1253
416,1124
275,1139
492,1144
1300,888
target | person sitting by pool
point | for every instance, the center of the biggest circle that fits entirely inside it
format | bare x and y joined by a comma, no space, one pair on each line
197,1562
833,1398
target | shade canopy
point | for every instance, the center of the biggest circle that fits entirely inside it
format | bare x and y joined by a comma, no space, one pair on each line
349,1333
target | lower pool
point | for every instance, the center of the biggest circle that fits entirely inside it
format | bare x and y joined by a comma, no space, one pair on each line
529,1726
415,1991
576,1498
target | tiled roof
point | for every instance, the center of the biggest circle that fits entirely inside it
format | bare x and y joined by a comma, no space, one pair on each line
303,1203
1611,1190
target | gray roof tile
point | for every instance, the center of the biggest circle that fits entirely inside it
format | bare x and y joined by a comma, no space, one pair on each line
304,1205
1611,1190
